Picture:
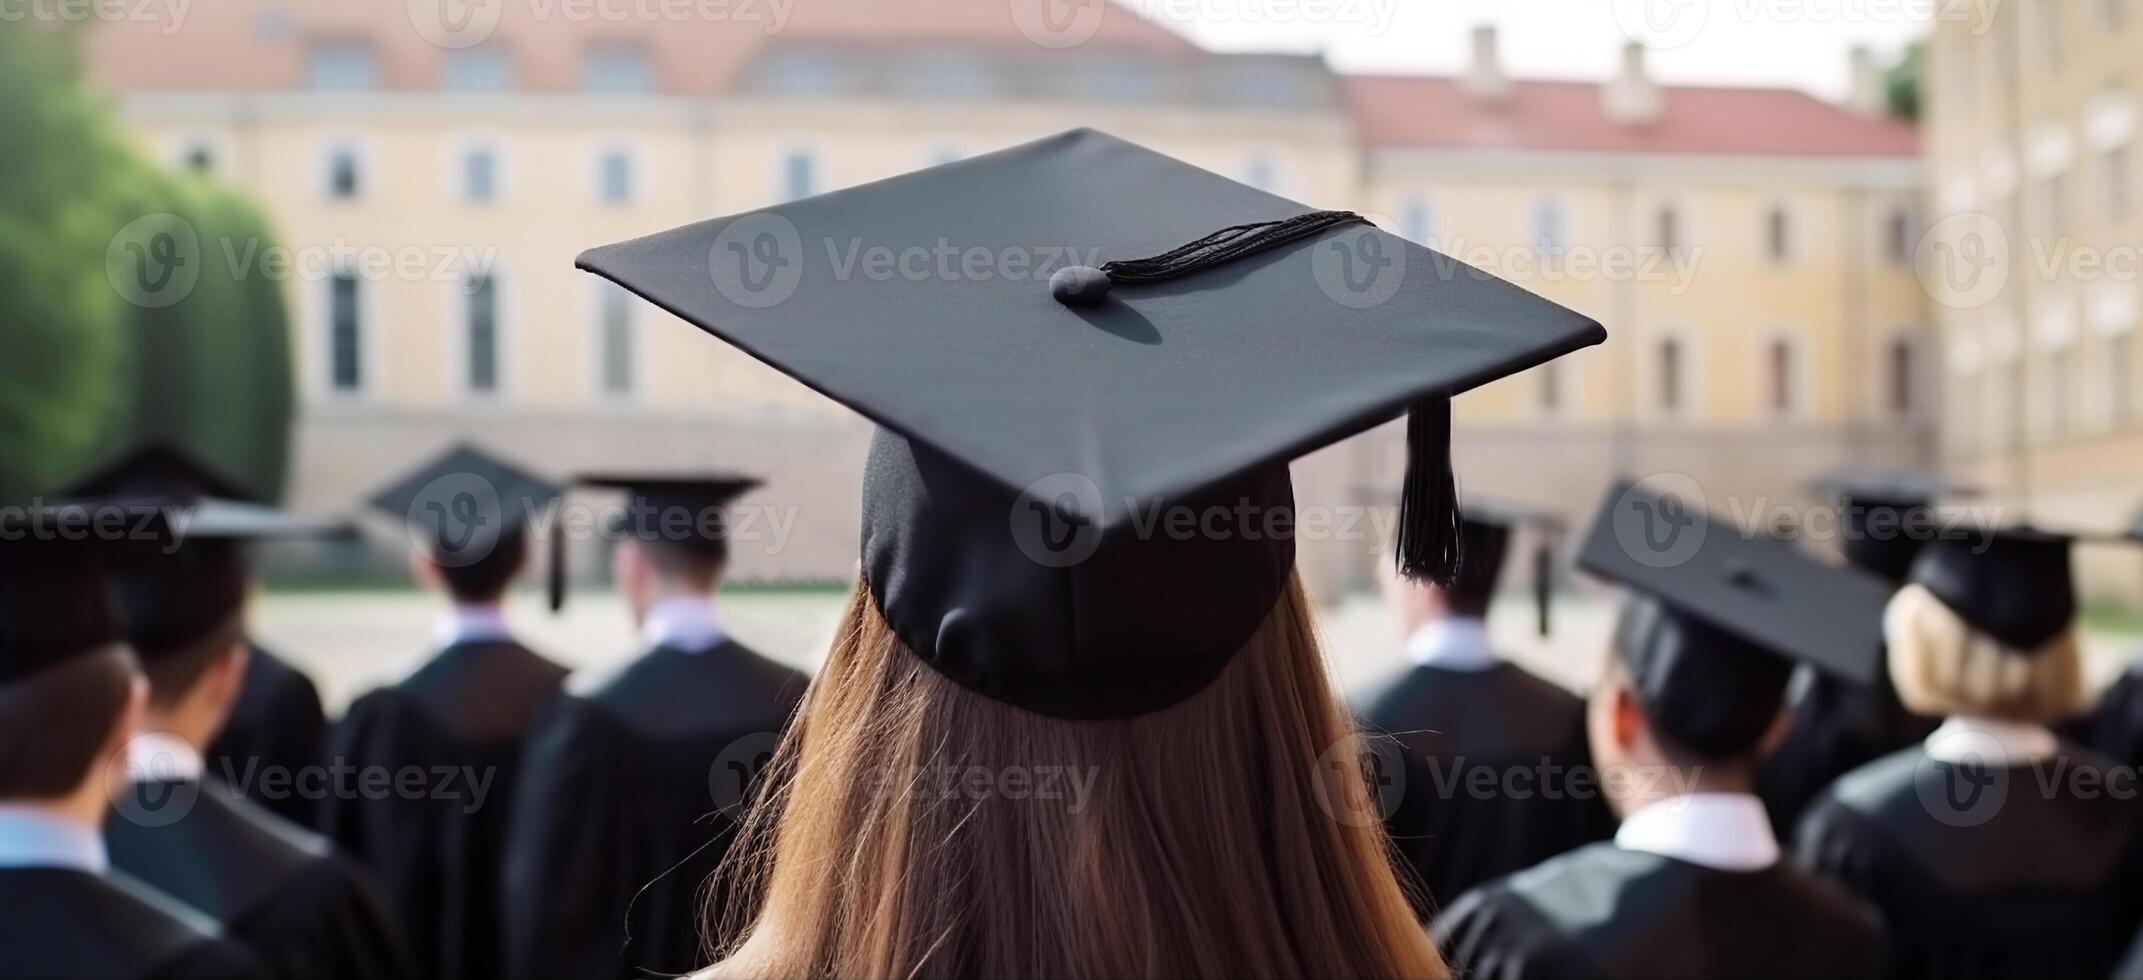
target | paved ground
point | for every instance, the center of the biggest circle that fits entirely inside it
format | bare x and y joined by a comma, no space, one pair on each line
351,642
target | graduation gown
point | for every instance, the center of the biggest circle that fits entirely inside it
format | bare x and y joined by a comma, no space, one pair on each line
2043,886
1454,725
277,723
1602,911
281,891
1837,727
464,716
2115,727
616,827
64,922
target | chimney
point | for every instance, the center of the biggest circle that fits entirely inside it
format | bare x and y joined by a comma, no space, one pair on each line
1632,98
1868,92
1484,79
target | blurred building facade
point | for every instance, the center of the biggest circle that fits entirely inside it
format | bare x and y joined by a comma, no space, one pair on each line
2038,188
1749,250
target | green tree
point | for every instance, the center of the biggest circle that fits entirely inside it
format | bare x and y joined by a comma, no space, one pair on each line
131,306
1903,81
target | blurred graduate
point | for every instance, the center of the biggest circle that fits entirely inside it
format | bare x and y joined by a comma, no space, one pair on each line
277,727
71,697
1995,848
2115,725
304,910
1462,711
464,715
635,782
1695,883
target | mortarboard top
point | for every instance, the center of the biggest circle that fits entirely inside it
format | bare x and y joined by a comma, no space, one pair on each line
1720,617
1032,408
157,468
56,565
1881,524
181,593
2013,583
457,504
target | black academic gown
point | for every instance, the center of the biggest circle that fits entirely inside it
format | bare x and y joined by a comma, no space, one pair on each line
281,891
1837,727
1489,758
462,720
2026,884
2115,727
1601,911
618,823
276,725
65,923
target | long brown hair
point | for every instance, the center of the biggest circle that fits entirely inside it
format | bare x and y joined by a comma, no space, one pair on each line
1230,835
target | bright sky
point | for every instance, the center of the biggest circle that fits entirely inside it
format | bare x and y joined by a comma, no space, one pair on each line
1793,43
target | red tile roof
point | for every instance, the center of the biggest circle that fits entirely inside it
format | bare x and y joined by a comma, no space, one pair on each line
1419,112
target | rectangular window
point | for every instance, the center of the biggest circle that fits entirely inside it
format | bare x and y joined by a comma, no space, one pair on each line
2115,165
345,339
617,342
799,176
344,181
342,66
1901,377
2053,204
1778,235
1898,237
479,70
2121,390
1670,376
1550,237
619,69
1551,387
1782,374
479,176
614,177
1420,223
1670,229
483,334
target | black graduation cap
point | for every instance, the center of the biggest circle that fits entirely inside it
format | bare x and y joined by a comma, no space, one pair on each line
56,566
183,591
157,468
458,506
1885,514
1032,408
2014,584
1720,617
681,509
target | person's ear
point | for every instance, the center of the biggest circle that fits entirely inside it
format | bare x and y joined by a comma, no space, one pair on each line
1626,720
422,569
231,673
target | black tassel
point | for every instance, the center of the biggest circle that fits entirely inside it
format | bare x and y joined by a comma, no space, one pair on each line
1081,285
1544,585
1428,507
558,562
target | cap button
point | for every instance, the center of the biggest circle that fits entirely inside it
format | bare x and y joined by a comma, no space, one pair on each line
1079,285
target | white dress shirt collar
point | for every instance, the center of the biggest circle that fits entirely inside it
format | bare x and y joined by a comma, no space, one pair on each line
1458,643
1990,742
483,623
163,757
684,623
1722,831
33,839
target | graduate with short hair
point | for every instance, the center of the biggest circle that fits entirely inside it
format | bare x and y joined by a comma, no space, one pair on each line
277,727
464,714
303,909
1995,848
1694,883
1463,716
622,818
71,695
